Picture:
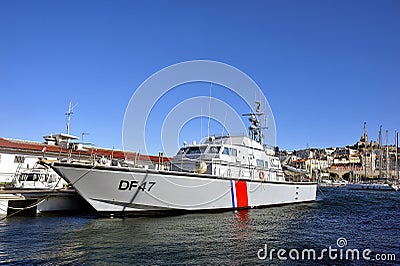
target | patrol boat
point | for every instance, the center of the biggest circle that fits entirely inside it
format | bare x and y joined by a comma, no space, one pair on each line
220,173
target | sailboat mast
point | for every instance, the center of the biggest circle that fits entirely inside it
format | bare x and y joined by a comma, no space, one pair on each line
209,112
365,150
380,152
396,135
255,129
69,113
387,155
201,123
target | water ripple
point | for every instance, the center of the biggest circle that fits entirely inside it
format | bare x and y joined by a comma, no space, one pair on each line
366,219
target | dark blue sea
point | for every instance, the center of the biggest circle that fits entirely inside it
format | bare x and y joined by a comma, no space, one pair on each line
332,231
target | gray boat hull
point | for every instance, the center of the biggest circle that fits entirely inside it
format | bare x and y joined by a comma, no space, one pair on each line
124,190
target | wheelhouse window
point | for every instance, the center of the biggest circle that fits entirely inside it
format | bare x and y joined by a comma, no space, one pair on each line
195,150
182,151
29,177
19,159
275,163
226,151
260,163
229,151
214,149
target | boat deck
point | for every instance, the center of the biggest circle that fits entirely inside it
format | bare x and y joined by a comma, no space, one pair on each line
34,193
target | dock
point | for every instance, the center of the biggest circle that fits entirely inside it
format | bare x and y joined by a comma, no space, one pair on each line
31,202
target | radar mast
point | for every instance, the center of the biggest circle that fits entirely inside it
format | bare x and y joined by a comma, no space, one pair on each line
255,129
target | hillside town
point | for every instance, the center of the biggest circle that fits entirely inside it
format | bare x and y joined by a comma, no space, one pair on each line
366,159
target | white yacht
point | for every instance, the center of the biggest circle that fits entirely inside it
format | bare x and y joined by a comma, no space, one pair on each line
373,186
220,173
38,178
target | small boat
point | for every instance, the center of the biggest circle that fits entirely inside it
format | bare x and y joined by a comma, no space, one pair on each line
333,183
295,169
373,186
39,178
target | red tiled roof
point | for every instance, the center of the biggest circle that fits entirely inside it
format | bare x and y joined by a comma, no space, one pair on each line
38,147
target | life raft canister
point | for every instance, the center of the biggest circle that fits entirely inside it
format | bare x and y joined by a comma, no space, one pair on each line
261,175
200,167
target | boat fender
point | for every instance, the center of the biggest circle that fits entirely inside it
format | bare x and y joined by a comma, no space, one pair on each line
261,175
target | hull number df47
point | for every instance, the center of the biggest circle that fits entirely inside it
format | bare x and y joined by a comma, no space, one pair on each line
134,184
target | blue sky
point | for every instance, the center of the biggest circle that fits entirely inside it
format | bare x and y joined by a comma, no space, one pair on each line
324,66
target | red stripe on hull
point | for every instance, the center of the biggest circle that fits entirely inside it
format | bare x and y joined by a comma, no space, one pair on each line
241,194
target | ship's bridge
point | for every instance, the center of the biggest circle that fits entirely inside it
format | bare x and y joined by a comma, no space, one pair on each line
233,140
227,155
214,147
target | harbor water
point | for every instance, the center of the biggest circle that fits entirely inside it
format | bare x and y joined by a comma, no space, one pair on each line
340,220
